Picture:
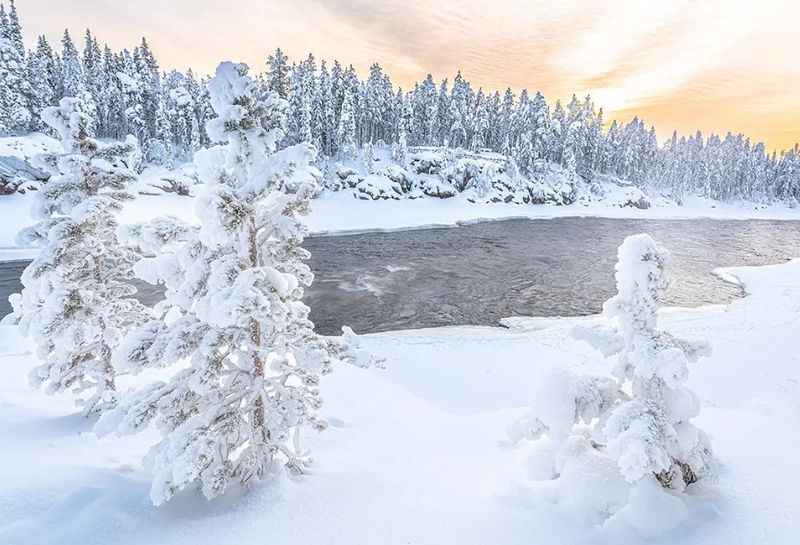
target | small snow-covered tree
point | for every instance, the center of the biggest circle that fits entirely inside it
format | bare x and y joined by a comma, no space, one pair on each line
641,418
76,300
652,433
233,308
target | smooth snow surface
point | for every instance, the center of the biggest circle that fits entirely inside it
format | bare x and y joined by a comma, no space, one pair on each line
418,453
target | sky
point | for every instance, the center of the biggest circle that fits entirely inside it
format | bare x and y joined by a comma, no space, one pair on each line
680,64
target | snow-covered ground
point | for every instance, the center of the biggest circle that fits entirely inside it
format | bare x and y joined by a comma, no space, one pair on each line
418,452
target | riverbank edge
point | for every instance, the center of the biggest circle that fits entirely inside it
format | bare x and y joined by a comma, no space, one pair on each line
340,214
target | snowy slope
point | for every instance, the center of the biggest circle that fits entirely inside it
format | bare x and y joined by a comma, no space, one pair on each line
418,453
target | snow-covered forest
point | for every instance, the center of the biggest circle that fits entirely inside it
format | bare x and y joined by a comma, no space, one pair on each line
127,92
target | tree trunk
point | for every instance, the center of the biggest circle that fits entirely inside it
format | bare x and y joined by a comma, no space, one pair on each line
255,334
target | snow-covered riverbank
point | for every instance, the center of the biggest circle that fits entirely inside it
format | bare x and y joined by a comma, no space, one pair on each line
336,213
339,212
418,453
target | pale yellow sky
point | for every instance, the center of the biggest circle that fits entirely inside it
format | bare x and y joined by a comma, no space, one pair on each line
711,65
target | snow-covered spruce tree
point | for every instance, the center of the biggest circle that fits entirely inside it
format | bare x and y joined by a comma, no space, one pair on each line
368,157
76,300
651,434
400,148
641,418
278,73
233,309
15,116
346,131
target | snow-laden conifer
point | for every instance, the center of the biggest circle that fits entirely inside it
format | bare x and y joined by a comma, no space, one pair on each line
346,131
652,433
15,115
233,309
641,417
76,300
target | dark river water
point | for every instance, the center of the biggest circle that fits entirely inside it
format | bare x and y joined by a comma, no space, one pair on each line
479,273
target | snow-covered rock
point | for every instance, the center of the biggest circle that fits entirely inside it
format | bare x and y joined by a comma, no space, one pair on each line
614,192
17,174
433,186
426,161
376,186
399,175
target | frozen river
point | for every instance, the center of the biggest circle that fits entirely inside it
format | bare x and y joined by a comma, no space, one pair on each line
479,273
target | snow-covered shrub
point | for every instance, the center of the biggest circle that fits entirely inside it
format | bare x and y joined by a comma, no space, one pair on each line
562,184
76,301
339,176
641,418
179,181
233,310
565,401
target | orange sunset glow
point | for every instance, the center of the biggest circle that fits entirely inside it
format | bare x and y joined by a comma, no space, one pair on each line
685,65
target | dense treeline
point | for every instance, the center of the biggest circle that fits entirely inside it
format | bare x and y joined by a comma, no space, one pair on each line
331,107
